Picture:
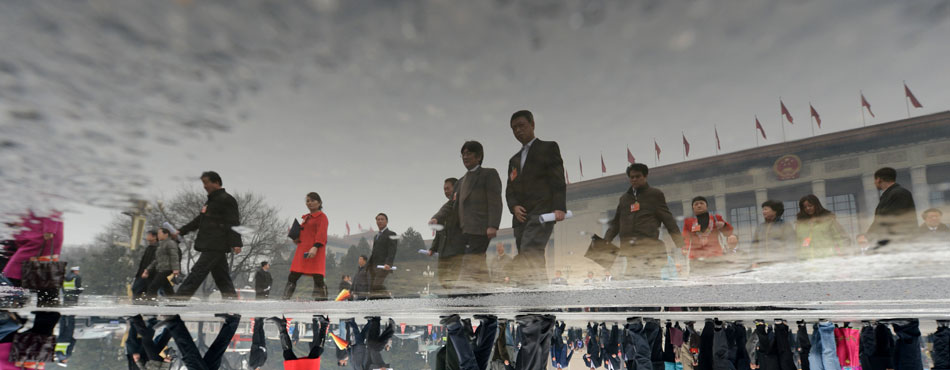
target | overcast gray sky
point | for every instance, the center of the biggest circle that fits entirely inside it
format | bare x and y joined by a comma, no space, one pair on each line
368,102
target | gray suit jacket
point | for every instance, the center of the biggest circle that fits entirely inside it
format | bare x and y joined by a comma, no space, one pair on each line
476,202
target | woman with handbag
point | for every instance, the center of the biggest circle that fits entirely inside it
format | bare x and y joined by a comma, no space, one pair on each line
28,348
38,245
311,254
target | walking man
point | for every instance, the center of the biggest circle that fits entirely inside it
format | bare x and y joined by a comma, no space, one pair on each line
640,212
262,281
450,251
477,204
382,256
535,187
216,238
896,214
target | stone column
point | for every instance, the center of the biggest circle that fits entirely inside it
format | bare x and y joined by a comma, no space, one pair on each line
761,195
921,190
818,188
721,205
687,208
871,197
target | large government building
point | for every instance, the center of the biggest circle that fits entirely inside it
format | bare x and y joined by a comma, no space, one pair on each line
837,167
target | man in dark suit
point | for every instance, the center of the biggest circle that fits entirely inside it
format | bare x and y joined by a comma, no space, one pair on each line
640,213
896,215
216,238
444,243
535,187
477,205
383,254
933,229
262,281
140,284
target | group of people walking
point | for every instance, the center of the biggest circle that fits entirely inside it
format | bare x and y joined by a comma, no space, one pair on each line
644,344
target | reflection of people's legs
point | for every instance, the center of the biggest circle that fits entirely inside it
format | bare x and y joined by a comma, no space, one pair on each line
214,354
160,281
474,260
532,244
485,337
449,270
291,284
258,345
320,326
459,338
44,322
319,288
286,343
379,282
186,345
152,351
537,331
221,274
197,275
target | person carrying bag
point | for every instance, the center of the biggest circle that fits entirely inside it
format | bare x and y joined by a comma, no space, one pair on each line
44,273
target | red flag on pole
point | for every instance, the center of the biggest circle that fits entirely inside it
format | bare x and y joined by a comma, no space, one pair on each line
630,157
347,228
910,95
814,113
718,145
865,104
785,112
686,145
603,167
581,164
760,128
657,148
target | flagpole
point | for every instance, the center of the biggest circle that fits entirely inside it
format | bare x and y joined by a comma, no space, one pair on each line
755,131
781,119
656,156
812,119
716,129
864,122
906,102
684,144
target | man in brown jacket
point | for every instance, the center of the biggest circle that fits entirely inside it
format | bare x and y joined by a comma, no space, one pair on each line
477,202
640,213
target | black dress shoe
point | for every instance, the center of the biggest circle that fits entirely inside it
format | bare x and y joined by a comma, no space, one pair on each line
446,320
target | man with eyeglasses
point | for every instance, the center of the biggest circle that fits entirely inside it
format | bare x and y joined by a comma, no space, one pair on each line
535,187
477,204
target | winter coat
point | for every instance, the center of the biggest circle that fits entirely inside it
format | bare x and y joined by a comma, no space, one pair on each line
166,257
704,243
215,224
820,237
313,233
30,241
773,241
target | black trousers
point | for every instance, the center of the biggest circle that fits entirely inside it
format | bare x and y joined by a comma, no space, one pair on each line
474,263
215,263
140,285
158,282
532,238
941,349
319,286
473,356
378,277
258,354
189,351
152,346
536,331
316,346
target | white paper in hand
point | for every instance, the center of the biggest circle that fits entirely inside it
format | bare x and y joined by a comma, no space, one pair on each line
437,227
549,217
383,267
395,237
243,230
426,252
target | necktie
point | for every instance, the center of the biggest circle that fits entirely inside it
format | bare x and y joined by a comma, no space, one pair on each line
524,154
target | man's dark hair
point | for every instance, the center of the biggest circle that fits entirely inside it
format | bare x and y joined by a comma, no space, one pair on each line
363,256
639,167
453,180
153,232
700,198
776,206
476,148
886,174
929,210
165,231
344,276
384,215
265,263
212,176
522,113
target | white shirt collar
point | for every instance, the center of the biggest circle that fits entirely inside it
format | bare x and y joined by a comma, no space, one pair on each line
475,168
528,145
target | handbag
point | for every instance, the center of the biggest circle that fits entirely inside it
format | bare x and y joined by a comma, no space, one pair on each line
41,274
29,346
602,252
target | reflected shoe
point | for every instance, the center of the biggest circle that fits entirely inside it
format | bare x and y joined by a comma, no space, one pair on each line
446,320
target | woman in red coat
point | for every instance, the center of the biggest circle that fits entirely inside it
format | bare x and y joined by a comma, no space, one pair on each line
311,254
701,232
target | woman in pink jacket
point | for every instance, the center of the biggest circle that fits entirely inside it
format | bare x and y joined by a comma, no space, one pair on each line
39,235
